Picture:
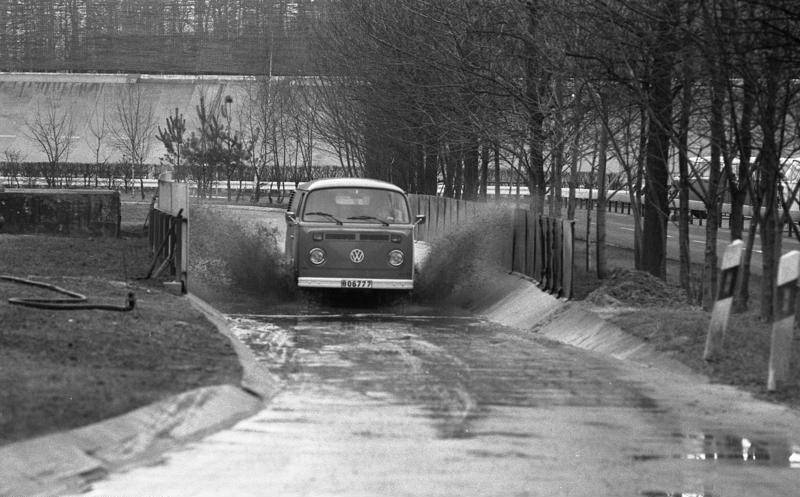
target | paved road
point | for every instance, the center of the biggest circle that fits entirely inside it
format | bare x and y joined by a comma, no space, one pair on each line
384,405
619,232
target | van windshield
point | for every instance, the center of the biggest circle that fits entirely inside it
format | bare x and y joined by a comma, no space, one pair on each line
356,205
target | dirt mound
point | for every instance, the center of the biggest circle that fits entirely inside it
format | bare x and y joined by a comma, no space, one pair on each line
625,287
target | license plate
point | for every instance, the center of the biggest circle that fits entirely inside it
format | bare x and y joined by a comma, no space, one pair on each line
356,283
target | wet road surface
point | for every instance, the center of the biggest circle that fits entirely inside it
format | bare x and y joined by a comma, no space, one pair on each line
379,405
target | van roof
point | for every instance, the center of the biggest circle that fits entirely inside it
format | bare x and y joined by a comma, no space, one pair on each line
318,184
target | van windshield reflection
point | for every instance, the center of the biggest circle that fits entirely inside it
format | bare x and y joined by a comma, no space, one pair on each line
358,205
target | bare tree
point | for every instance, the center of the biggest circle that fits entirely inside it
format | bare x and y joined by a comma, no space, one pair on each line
97,139
133,131
13,166
259,121
53,131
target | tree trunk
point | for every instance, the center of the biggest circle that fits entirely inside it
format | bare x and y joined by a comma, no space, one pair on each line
739,183
638,190
711,201
471,171
448,172
456,157
654,235
555,179
431,174
574,161
536,118
683,187
769,246
484,172
602,260
496,146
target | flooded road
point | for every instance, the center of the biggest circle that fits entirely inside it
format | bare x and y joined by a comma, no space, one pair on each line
376,405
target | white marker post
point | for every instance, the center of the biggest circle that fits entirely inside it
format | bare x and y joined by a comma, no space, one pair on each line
783,323
729,272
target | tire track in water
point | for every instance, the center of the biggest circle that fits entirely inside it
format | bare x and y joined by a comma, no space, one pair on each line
369,354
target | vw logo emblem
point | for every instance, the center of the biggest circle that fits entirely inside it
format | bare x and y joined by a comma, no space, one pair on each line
357,255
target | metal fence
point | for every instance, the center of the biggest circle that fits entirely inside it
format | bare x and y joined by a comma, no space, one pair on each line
537,246
169,231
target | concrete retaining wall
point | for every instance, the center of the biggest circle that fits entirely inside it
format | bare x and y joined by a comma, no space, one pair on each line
62,212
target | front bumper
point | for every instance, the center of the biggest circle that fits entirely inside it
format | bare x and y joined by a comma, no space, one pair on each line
355,283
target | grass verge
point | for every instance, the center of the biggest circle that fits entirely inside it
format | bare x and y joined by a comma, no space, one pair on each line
657,312
63,369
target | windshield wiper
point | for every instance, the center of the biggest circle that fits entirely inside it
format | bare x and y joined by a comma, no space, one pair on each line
325,214
385,223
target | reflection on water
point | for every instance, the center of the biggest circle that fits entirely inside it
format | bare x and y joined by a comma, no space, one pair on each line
733,449
726,448
658,493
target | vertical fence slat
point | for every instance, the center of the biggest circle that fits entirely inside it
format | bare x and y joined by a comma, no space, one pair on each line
558,252
530,247
428,221
538,246
547,253
513,225
569,258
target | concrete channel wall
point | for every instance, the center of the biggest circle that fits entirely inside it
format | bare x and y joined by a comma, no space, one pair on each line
515,301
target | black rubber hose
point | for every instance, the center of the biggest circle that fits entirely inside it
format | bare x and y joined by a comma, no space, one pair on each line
74,302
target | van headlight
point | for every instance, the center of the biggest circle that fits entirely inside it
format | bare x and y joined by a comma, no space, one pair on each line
396,257
316,256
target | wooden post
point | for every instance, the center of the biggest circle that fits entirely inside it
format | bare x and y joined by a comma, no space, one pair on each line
558,257
439,216
520,220
729,271
430,219
513,239
568,257
783,325
541,237
530,244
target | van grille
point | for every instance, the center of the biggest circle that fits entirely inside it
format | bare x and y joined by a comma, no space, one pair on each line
340,236
372,237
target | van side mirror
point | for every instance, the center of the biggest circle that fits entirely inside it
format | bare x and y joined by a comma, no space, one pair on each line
291,218
420,219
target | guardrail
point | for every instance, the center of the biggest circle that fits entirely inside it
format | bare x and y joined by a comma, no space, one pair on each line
616,201
537,246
